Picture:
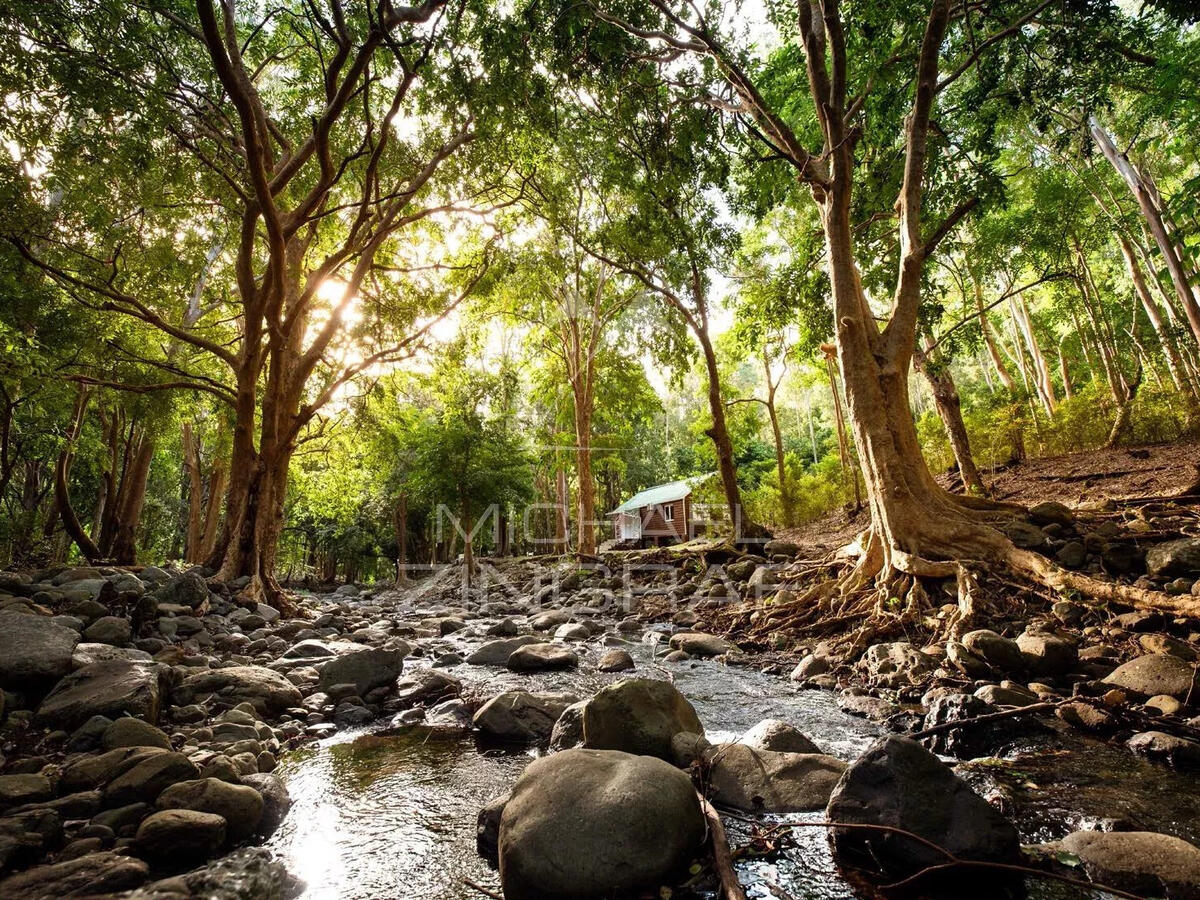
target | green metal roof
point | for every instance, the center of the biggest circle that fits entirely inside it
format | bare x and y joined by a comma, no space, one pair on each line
661,493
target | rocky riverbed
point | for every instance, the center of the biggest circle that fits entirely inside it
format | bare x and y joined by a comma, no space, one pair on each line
157,729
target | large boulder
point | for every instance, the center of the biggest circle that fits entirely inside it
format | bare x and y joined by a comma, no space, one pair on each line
87,876
1155,674
267,691
112,688
771,782
1180,557
900,784
591,824
520,716
84,773
34,651
1141,862
240,806
365,669
638,715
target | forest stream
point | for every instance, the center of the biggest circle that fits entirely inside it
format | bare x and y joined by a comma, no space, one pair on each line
390,815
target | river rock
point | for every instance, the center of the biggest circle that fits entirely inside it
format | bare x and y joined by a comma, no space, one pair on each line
91,875
87,653
1141,862
899,783
638,715
128,732
1052,512
809,667
17,790
616,660
520,716
113,688
496,653
591,824
188,589
1157,673
83,773
541,658
251,873
239,805
779,736
568,730
427,686
180,835
276,800
896,664
267,691
34,651
487,829
697,643
769,782
1177,751
150,777
365,669
1180,557
109,630
999,652
1047,654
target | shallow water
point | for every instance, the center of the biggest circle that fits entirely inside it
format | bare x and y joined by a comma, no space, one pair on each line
381,817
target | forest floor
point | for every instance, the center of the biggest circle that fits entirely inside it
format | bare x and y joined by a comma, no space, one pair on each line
1124,475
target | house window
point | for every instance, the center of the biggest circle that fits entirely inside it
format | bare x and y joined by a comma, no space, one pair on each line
669,513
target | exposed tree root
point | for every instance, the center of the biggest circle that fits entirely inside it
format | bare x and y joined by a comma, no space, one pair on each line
888,591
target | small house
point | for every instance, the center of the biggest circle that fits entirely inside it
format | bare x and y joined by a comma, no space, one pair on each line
658,515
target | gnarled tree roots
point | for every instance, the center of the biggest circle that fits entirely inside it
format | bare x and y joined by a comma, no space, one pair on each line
876,592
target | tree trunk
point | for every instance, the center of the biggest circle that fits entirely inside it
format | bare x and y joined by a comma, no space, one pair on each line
468,550
212,514
62,471
195,518
133,499
583,471
561,511
949,407
718,432
1154,221
785,491
1175,364
400,523
990,342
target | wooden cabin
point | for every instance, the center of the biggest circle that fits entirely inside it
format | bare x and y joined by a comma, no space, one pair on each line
655,516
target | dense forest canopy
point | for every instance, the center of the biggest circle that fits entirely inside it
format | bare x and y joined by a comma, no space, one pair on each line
323,289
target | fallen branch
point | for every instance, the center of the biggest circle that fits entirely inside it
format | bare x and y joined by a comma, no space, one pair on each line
989,717
731,888
478,887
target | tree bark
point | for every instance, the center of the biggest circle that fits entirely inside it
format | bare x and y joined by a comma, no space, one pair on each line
400,523
133,499
1175,364
949,407
195,518
62,496
990,342
1153,215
